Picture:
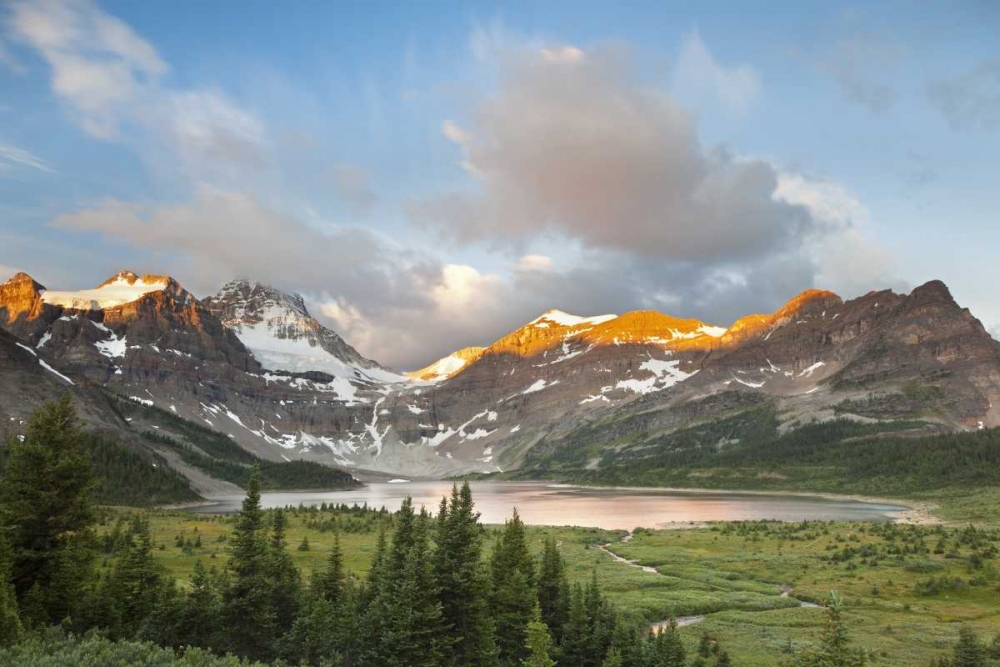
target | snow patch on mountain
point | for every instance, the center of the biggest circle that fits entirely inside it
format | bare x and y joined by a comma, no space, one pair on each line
123,288
112,348
564,319
665,374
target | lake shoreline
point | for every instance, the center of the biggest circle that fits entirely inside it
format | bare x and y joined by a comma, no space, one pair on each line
916,512
896,510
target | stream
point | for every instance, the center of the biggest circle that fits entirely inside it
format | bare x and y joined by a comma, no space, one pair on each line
681,621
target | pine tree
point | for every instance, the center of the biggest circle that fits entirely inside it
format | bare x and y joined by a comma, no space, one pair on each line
666,648
374,621
614,659
459,578
283,576
834,650
406,607
538,643
329,584
600,621
969,651
249,626
513,597
136,581
200,620
47,514
10,623
552,589
575,649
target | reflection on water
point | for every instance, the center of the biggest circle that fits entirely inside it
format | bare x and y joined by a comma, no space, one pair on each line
541,503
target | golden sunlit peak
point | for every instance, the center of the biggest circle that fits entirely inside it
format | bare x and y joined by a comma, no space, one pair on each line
564,319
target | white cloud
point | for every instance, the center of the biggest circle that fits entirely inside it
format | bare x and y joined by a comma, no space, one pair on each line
110,80
564,54
454,132
99,64
825,199
12,155
699,75
535,263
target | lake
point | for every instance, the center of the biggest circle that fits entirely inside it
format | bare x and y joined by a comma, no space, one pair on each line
544,503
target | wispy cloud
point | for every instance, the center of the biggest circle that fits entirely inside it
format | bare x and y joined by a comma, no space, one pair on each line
110,80
971,100
859,65
12,155
698,74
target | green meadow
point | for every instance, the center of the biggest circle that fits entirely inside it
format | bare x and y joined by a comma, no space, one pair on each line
908,588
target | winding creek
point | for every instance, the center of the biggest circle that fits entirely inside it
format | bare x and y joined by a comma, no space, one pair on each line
681,621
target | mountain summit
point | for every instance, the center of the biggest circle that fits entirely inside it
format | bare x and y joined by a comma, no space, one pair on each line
278,329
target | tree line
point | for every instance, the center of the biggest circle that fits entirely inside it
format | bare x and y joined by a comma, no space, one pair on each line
432,596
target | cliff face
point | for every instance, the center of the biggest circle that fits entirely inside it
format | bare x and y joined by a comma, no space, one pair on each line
252,363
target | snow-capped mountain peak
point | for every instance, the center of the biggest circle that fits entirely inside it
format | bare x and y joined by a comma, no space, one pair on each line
278,329
121,288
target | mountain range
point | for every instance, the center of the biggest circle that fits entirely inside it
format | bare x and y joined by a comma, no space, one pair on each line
251,363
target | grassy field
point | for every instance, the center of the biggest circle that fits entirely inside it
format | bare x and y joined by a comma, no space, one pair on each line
908,587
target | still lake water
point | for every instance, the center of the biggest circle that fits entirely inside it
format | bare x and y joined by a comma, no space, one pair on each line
546,504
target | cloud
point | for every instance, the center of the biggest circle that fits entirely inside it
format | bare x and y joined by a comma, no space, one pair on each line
99,64
111,82
844,258
205,124
12,155
699,75
579,147
858,64
222,234
535,263
969,101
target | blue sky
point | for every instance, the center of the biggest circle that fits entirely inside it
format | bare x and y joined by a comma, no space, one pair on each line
431,175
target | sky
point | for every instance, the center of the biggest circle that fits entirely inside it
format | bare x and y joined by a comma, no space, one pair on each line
432,175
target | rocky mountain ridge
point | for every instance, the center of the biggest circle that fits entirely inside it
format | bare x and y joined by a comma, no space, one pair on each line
250,362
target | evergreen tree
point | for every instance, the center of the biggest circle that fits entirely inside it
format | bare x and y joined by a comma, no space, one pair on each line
575,649
406,605
513,596
627,644
283,577
835,649
329,584
46,513
373,614
538,643
459,578
200,620
614,659
600,621
665,648
249,626
10,623
969,651
552,589
135,582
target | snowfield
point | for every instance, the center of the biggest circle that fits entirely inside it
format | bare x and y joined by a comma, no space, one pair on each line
114,293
